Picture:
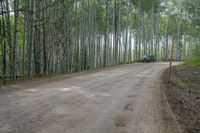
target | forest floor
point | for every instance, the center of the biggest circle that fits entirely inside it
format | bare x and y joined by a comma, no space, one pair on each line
121,99
183,94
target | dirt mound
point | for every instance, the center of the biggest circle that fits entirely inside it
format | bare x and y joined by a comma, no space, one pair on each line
183,94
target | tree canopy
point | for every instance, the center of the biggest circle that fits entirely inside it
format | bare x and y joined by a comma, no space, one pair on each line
50,37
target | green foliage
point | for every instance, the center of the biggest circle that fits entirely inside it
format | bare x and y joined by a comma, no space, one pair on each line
195,60
147,5
197,51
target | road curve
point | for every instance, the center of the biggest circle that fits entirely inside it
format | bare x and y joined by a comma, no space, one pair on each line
123,99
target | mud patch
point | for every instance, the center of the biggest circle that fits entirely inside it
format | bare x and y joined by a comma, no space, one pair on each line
139,85
121,122
128,107
131,96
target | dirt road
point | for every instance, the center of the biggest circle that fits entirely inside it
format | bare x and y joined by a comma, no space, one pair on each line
123,99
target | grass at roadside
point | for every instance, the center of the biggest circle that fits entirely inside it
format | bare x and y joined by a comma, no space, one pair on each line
195,62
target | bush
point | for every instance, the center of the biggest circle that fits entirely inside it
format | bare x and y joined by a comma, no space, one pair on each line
195,60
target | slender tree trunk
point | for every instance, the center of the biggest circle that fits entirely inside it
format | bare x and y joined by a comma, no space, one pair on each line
31,14
3,42
10,40
16,4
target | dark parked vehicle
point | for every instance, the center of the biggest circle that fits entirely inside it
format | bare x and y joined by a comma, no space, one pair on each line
149,58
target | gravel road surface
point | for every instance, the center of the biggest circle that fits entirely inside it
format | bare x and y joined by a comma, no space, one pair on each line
122,99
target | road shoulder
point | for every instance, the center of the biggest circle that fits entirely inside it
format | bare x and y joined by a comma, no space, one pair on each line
183,95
